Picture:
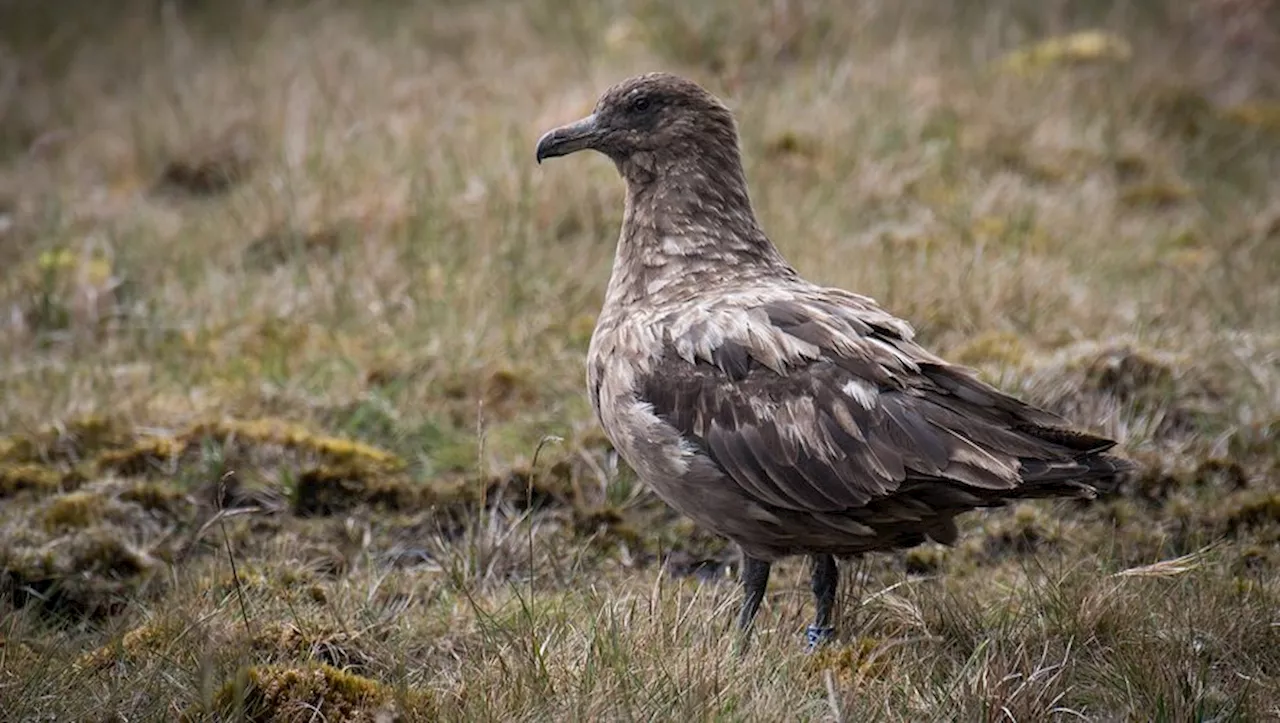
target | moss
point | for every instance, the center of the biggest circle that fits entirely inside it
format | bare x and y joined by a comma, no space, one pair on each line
132,647
283,694
324,491
356,455
330,490
333,489
860,659
61,457
34,478
277,638
70,442
139,457
154,496
250,577
73,511
286,642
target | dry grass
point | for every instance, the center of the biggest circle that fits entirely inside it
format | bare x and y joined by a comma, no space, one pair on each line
282,281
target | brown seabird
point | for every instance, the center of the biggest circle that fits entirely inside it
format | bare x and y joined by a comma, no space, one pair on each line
788,417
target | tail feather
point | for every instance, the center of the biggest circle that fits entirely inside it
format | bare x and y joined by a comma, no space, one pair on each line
1084,476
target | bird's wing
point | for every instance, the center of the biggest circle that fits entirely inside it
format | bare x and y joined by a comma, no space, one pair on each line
821,402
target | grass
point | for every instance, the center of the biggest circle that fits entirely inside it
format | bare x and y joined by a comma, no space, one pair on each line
284,284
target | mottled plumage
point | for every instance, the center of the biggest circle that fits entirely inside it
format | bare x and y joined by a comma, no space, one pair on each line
789,417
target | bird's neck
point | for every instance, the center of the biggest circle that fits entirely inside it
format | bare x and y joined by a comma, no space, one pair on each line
688,231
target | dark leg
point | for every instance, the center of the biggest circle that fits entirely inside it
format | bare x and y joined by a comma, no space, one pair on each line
755,577
826,577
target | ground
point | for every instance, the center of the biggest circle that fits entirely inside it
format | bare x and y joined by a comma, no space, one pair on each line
293,421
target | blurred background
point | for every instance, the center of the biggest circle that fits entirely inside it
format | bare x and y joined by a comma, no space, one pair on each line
282,284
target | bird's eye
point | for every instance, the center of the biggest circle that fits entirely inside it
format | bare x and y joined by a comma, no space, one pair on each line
641,104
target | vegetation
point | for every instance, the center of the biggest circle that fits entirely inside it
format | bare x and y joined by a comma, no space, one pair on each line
292,411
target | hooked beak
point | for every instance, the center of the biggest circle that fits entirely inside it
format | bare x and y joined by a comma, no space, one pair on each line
567,139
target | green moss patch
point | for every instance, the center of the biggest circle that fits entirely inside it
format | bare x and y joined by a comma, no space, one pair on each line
324,644
71,442
330,490
36,479
284,694
147,640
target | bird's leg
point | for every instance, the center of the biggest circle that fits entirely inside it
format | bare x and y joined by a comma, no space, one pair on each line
755,578
826,577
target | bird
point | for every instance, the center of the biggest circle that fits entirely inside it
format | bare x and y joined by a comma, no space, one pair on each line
789,417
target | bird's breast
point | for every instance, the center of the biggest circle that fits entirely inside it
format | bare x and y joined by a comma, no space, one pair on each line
622,352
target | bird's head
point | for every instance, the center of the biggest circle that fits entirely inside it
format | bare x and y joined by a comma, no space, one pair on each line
649,124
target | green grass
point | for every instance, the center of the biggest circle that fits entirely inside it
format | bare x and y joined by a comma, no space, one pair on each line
284,287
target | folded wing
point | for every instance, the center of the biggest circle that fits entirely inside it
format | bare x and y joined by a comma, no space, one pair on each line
823,404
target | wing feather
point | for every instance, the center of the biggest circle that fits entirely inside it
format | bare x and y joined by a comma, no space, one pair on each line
734,453
823,406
